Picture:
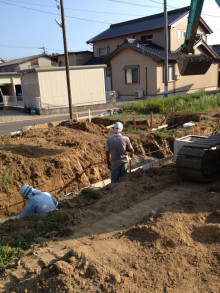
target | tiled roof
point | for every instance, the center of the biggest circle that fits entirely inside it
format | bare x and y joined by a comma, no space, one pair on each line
24,59
141,24
95,61
216,49
149,49
76,52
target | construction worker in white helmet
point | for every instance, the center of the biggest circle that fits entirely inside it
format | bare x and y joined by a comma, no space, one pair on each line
118,148
38,202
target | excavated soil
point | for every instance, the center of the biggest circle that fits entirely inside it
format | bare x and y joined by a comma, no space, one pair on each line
153,231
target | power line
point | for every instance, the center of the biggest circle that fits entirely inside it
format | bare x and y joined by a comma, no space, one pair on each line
135,4
89,20
210,15
38,10
21,47
160,3
76,9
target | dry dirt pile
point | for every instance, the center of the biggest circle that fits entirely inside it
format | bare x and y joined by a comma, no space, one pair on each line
151,232
61,159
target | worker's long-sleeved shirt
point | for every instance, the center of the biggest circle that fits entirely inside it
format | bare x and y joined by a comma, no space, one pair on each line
38,203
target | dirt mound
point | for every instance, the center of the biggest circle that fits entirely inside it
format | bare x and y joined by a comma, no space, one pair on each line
151,232
61,159
84,126
161,240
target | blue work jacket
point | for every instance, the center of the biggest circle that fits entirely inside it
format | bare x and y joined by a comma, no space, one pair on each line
39,203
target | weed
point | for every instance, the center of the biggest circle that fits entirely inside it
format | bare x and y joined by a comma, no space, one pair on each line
11,245
132,130
6,182
197,102
165,134
127,115
7,253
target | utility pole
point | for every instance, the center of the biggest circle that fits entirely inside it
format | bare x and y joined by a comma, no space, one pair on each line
165,51
66,60
43,48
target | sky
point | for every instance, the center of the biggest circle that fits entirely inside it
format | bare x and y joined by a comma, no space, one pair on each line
29,25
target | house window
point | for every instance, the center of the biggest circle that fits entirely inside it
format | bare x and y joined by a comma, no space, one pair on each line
198,37
131,74
147,37
103,51
171,71
179,36
60,63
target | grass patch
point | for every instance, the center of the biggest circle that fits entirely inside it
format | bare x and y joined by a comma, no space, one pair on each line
6,182
14,240
127,115
7,253
132,130
197,102
165,134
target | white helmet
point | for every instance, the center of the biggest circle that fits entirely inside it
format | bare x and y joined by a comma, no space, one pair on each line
24,190
118,127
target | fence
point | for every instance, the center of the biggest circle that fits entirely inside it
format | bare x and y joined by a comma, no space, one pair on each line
13,101
32,102
57,102
111,96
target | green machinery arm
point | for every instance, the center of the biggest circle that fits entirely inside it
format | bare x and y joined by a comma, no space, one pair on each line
188,62
193,23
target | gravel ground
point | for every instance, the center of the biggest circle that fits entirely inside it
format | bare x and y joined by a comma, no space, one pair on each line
14,115
18,115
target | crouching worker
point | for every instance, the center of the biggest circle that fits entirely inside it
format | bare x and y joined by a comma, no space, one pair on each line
117,149
38,202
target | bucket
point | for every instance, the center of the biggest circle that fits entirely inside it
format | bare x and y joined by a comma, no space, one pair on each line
33,112
193,64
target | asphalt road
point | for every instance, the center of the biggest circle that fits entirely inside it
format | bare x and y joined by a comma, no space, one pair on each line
6,128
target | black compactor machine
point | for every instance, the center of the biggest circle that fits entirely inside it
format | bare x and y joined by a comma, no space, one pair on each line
200,160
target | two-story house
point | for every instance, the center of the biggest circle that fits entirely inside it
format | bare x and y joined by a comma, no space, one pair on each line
216,49
134,52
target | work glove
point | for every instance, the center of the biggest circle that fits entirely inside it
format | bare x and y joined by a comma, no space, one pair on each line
109,166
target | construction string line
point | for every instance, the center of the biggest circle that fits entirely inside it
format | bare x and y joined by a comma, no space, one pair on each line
71,174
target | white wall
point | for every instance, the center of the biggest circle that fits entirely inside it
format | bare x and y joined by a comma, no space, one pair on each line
87,86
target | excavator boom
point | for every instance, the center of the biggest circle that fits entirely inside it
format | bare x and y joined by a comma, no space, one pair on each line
188,62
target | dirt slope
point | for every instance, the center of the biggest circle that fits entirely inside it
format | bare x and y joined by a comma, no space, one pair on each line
151,232
61,159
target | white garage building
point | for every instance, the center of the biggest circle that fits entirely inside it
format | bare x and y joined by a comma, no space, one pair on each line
45,89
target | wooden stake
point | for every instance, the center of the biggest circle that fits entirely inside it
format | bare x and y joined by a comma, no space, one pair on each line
134,122
172,116
151,120
55,186
89,116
